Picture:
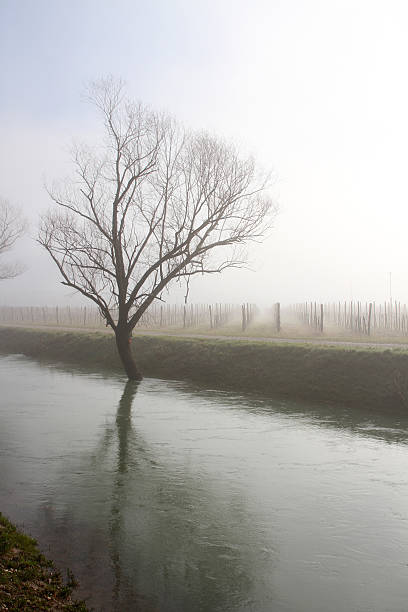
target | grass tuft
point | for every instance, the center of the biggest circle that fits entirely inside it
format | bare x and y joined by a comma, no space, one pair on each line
29,581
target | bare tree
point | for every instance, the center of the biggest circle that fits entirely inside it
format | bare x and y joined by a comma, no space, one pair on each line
153,203
12,227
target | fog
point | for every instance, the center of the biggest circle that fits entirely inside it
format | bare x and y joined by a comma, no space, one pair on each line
314,90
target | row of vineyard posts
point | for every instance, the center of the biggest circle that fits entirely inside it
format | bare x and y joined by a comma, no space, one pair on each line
357,317
184,316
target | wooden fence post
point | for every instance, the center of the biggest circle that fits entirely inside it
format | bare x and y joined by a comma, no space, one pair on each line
370,307
277,316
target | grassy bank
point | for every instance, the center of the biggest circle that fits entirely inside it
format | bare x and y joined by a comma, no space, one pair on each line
28,581
366,377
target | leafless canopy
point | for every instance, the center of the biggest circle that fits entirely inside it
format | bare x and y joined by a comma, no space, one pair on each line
12,226
151,204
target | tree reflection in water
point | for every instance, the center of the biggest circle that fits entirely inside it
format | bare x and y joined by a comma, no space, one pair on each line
116,527
184,550
170,539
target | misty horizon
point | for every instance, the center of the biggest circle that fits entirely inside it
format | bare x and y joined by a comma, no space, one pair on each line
313,92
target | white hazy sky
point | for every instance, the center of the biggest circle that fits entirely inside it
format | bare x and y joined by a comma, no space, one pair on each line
316,90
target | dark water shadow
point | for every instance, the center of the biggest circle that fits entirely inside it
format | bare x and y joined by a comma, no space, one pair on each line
385,425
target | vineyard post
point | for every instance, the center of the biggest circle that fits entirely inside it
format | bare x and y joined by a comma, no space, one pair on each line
369,319
277,316
358,317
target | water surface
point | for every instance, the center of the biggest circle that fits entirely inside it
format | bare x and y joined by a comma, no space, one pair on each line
166,497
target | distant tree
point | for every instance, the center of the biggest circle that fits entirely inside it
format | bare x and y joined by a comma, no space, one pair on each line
12,227
151,204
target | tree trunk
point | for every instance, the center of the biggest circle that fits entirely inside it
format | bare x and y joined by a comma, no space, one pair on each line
123,342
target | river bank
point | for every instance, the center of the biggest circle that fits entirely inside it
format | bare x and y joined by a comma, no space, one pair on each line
374,378
29,581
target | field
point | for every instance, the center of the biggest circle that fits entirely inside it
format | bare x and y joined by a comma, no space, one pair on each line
338,322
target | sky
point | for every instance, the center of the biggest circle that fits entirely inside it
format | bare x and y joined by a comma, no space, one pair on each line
315,90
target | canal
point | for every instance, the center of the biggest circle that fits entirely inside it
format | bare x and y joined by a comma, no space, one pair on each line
167,497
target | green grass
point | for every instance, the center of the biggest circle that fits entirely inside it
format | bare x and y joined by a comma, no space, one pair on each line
372,377
257,329
29,581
